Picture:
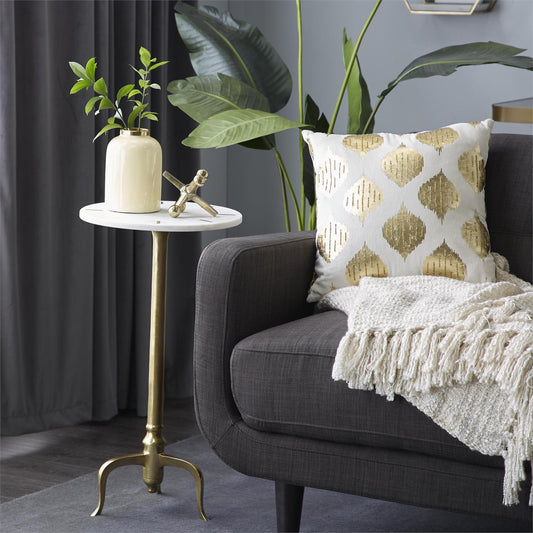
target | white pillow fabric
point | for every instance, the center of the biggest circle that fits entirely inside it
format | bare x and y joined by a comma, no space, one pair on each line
397,205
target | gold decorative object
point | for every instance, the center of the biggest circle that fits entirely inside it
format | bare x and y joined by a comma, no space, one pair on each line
153,458
365,263
443,261
402,165
520,111
438,138
439,194
472,167
364,196
477,236
443,7
331,240
188,193
404,231
363,143
329,176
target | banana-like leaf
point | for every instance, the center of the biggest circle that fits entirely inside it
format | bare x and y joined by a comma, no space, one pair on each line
359,107
202,97
236,126
218,43
317,122
445,61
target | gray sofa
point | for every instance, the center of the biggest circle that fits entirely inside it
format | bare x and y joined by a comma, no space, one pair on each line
264,397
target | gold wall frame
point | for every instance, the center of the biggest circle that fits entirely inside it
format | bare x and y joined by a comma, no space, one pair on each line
444,7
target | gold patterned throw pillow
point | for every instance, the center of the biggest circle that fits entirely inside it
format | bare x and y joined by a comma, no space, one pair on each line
398,205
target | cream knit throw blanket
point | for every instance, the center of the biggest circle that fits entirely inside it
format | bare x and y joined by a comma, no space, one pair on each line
460,352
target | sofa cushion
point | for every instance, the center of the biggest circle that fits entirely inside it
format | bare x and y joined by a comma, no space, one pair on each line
399,205
281,382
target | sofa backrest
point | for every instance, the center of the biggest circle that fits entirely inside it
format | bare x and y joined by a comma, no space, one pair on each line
509,200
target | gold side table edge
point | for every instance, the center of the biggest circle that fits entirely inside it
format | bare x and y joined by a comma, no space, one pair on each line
153,459
518,111
428,7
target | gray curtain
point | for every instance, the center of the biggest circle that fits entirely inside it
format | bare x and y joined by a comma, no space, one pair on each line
74,300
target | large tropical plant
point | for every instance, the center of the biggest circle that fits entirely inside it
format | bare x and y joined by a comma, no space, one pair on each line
241,83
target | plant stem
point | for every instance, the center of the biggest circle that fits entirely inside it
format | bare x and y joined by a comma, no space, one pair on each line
350,67
301,107
369,121
285,175
311,222
284,196
142,97
300,63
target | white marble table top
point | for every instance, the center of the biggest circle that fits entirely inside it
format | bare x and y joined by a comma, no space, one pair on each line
194,218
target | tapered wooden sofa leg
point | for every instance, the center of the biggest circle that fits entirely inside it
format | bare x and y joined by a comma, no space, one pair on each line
289,499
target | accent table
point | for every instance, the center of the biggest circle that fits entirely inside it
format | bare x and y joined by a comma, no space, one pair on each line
160,223
514,111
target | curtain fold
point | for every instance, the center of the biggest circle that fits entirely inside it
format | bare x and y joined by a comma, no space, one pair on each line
75,299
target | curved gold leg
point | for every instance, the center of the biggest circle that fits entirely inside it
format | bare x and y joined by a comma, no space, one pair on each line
167,460
107,468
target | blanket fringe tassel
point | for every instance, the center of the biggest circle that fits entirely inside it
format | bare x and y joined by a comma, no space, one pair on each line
412,361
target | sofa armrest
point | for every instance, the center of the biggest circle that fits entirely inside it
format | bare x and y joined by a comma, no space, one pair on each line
244,285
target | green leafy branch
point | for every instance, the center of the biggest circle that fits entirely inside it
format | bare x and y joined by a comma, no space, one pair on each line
127,94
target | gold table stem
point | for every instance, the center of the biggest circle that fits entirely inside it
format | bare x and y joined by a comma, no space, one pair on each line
153,458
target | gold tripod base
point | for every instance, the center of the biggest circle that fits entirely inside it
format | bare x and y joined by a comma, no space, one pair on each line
152,464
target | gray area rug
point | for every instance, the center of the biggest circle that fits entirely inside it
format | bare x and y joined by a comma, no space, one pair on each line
233,502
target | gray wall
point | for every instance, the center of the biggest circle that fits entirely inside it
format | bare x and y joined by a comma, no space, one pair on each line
248,180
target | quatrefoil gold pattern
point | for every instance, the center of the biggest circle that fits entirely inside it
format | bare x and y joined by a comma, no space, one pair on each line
443,261
365,263
402,165
363,197
331,239
404,231
439,194
362,143
472,167
331,174
438,138
477,236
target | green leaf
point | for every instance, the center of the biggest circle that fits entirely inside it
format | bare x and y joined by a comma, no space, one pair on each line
154,86
111,120
141,72
123,91
359,107
149,115
143,84
318,122
100,87
78,70
134,92
145,56
236,126
106,129
90,68
106,103
90,104
201,97
261,143
135,113
445,61
79,85
218,43
157,65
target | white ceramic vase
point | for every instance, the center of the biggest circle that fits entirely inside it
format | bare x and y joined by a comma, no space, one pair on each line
133,172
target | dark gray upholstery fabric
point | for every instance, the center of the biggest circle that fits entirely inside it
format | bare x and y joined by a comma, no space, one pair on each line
508,195
245,286
281,382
